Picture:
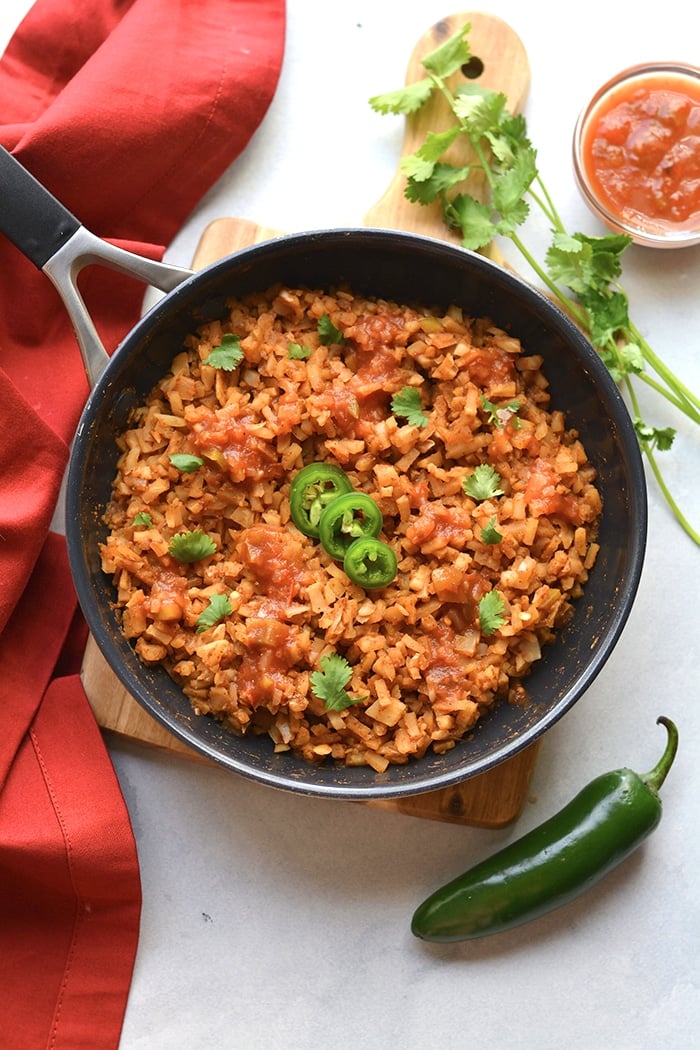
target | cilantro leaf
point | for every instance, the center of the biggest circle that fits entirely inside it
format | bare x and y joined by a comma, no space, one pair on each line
654,437
507,139
585,263
407,404
632,357
478,109
443,178
474,219
607,315
417,168
513,129
404,101
143,520
218,608
490,534
491,612
510,188
621,359
512,218
450,56
329,684
483,482
186,463
499,415
328,333
420,165
298,352
228,355
191,546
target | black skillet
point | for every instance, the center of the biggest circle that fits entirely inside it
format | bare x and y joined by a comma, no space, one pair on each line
408,269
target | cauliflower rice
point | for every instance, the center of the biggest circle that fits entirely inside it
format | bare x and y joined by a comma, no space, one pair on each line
424,667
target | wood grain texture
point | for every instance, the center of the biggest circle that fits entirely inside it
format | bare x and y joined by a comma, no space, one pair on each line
492,799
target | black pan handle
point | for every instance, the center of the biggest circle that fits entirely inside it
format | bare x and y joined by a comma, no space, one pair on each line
57,243
30,216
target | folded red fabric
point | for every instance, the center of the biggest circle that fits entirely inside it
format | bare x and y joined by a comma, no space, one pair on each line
128,111
28,494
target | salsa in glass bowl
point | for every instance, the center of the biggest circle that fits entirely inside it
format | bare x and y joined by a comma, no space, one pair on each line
637,154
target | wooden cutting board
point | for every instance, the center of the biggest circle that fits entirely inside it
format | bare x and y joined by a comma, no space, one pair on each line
496,797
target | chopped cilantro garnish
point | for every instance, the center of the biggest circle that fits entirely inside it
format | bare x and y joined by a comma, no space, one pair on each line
329,684
186,463
228,355
490,533
191,546
491,615
219,607
143,520
499,415
483,482
328,333
298,352
407,403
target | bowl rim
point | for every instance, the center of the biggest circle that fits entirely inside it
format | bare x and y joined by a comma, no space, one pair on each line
665,238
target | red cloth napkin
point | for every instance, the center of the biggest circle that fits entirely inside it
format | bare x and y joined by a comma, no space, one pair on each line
128,111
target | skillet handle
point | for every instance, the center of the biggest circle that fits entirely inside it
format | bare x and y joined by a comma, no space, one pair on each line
33,219
53,239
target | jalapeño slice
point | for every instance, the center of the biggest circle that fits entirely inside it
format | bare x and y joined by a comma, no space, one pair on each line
313,489
346,519
370,563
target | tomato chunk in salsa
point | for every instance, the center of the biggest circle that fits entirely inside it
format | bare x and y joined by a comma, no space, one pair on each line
641,150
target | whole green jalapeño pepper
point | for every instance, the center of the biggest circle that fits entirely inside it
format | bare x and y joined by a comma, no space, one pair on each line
346,519
553,863
312,489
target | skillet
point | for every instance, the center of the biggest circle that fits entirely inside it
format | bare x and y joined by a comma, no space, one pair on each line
409,269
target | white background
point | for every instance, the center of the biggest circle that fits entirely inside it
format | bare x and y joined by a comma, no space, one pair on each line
275,922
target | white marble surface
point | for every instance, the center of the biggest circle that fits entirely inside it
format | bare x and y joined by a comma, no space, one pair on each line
274,922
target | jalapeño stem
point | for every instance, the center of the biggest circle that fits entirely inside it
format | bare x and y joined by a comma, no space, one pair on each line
655,777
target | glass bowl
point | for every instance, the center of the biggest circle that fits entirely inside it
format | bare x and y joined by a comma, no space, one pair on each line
636,153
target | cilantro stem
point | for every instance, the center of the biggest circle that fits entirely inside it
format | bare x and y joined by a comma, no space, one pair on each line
546,205
677,512
679,402
651,458
685,396
568,304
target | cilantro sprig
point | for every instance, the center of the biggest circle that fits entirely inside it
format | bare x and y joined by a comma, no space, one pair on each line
227,355
328,334
483,482
407,404
191,546
499,415
297,351
491,612
581,272
490,534
330,683
219,608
